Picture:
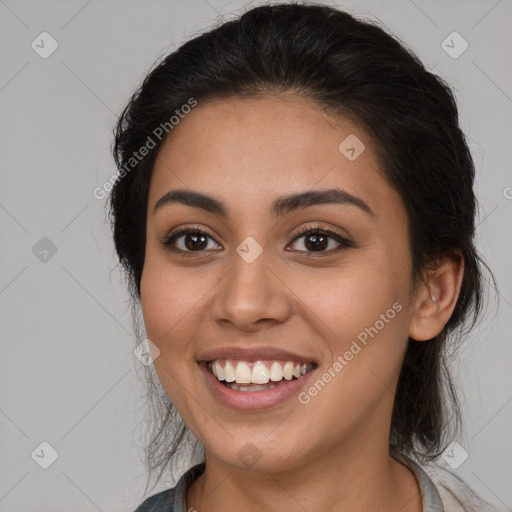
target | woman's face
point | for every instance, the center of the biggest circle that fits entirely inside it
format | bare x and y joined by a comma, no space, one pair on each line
253,293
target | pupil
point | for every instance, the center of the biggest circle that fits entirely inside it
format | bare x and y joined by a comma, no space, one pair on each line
316,241
195,241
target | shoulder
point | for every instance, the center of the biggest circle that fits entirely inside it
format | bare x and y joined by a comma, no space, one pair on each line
455,493
442,490
174,499
160,502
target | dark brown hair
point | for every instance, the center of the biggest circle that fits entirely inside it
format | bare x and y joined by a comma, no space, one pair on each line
355,69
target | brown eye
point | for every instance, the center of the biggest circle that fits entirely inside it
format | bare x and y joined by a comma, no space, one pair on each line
195,241
190,240
320,240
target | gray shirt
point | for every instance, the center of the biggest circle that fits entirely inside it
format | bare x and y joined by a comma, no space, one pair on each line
174,500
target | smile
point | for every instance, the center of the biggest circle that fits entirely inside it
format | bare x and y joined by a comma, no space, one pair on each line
262,375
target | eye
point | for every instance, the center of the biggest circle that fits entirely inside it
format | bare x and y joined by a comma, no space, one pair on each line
320,239
189,240
315,239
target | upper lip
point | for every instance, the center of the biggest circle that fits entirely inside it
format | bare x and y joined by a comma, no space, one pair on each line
253,354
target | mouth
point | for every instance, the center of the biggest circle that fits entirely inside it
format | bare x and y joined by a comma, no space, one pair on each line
257,376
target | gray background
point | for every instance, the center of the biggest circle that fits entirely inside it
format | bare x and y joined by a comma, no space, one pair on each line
68,373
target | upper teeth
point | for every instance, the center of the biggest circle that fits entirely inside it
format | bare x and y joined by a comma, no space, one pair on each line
241,372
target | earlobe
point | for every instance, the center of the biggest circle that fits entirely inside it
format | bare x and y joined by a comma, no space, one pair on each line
436,297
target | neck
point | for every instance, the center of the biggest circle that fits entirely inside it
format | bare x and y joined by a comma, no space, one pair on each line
359,478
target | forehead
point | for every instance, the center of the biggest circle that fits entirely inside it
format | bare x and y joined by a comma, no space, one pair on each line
251,150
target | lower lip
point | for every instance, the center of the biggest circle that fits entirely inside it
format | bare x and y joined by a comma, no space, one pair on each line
252,400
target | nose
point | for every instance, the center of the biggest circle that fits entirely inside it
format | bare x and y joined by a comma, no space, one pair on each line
251,296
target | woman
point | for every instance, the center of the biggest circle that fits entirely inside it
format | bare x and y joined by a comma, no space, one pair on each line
295,213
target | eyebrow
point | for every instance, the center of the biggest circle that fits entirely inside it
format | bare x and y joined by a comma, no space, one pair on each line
280,207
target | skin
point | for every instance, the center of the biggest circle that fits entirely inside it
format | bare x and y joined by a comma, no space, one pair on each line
332,453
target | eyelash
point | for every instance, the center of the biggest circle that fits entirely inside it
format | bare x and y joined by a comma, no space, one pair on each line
319,229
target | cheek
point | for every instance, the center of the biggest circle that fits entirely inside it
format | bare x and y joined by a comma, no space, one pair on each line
360,311
353,295
174,301
362,317
167,298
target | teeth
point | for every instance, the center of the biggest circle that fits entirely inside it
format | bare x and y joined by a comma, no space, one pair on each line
218,371
229,372
240,372
288,371
252,387
243,374
260,374
276,372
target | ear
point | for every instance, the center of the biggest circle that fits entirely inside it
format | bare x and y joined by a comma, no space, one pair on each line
436,296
